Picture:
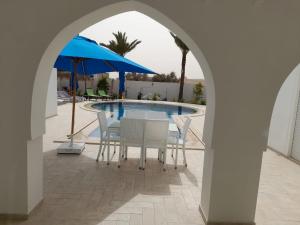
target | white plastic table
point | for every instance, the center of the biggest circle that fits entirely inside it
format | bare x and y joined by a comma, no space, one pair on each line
150,115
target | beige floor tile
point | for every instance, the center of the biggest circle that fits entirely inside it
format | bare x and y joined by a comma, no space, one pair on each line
77,190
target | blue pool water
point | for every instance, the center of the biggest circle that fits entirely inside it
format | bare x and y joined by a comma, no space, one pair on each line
118,109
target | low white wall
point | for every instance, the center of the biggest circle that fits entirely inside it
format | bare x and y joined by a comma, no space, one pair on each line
90,83
165,89
284,113
51,106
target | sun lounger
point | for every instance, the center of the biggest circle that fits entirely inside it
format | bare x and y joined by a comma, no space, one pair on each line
102,94
90,94
64,97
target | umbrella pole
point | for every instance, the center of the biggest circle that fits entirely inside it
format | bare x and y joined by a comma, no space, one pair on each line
72,148
70,84
84,84
75,62
84,76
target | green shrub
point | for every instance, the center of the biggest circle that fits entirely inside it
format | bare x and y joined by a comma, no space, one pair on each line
114,96
156,97
195,101
198,92
103,84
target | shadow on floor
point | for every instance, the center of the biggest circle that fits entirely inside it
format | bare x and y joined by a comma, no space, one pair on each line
78,190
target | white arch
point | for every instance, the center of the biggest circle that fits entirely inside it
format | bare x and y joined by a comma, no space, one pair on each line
39,95
284,114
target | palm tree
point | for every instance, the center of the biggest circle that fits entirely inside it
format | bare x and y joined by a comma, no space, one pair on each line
121,46
185,50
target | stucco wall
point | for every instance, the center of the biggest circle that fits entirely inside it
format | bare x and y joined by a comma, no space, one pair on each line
165,89
282,125
245,48
51,107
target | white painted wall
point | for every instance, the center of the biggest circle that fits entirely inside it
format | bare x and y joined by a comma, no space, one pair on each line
90,83
237,117
284,113
295,149
165,89
34,173
51,106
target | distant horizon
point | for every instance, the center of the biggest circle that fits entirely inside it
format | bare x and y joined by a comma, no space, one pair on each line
157,51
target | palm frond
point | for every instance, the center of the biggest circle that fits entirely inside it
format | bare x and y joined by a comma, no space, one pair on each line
133,44
183,47
120,45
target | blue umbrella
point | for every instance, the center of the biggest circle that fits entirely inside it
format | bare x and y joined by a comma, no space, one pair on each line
84,56
97,59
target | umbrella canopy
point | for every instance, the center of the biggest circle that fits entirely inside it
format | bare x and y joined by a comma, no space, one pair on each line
84,56
97,59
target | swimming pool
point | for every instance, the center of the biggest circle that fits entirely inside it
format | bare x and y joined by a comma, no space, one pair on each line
118,109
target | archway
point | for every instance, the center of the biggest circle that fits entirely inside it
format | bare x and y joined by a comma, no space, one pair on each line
49,56
42,76
284,125
235,63
281,151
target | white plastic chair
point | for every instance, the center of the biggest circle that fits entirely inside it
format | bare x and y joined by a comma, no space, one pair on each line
156,115
107,135
180,141
135,114
156,136
132,134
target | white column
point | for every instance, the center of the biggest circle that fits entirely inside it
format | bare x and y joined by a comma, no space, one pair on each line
34,172
21,177
230,185
13,179
232,167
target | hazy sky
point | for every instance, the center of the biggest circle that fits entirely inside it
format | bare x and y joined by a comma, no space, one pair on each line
157,51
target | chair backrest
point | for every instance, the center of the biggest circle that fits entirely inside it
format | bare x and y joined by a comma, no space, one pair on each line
102,123
135,114
101,92
156,115
156,133
132,131
185,128
90,91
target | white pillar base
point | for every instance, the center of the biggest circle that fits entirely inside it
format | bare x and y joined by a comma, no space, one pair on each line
230,184
34,172
220,223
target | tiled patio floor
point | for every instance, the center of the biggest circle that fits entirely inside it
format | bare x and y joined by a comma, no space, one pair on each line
78,190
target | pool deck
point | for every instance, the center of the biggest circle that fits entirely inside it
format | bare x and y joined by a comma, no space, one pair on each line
80,191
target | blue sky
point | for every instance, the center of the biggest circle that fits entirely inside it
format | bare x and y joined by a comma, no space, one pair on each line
157,51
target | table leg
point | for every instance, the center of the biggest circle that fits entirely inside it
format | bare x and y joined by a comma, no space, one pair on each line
164,158
99,152
141,158
108,147
120,155
176,155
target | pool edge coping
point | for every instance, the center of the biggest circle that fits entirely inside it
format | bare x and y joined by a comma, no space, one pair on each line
199,108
